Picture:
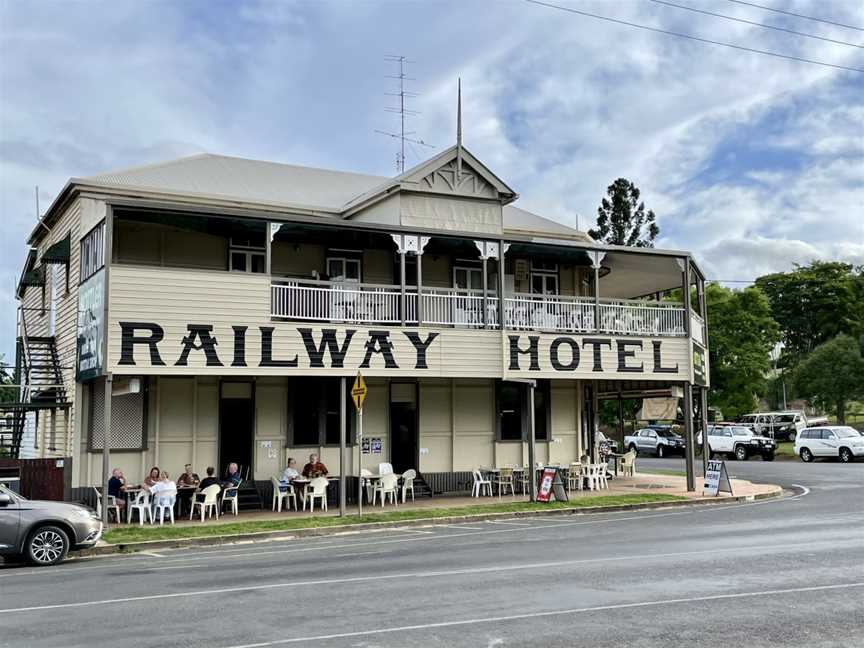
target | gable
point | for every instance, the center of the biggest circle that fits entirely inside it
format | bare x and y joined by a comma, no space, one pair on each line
447,180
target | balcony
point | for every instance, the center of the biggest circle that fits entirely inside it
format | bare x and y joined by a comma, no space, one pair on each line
362,303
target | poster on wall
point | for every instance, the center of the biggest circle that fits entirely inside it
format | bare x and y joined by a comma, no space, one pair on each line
364,445
91,327
376,445
700,373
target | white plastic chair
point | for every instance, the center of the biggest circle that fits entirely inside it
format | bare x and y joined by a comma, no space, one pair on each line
387,485
283,492
112,505
163,501
316,489
504,480
408,483
385,468
364,473
575,476
231,496
479,484
210,503
141,503
602,481
628,464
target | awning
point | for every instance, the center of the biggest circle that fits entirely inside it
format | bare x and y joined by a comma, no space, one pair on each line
57,253
34,277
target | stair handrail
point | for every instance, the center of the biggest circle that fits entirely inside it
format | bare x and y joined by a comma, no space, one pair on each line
25,354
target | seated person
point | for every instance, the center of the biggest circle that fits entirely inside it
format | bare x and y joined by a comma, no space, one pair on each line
208,481
153,477
233,476
290,473
314,468
117,487
188,478
164,484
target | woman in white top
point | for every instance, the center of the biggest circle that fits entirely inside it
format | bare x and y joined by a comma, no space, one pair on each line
290,473
164,484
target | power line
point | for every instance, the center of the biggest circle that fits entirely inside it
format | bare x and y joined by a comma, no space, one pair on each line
757,24
695,38
797,15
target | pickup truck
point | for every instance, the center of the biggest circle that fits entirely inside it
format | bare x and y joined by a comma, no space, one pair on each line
781,425
657,442
739,441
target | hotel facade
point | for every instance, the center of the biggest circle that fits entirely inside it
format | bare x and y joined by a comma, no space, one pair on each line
227,299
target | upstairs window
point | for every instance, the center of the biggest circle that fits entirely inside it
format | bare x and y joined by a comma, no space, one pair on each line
247,254
92,252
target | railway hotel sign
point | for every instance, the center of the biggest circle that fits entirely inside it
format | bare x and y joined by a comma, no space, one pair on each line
283,349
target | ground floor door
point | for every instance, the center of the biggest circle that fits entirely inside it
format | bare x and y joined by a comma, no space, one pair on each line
404,428
236,425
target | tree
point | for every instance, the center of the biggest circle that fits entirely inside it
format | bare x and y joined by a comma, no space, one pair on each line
832,375
7,394
622,219
815,303
741,334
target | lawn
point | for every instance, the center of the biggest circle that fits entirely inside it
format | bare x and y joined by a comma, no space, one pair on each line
126,534
785,450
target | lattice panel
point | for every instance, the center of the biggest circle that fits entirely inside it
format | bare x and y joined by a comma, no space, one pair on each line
127,419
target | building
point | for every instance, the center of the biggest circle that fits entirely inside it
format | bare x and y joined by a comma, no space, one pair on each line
227,298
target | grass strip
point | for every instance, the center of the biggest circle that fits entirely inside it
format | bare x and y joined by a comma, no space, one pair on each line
125,534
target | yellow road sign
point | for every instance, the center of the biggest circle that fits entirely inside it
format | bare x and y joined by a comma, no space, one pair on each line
358,391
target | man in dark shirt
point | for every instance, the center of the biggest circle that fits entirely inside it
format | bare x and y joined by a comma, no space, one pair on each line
209,480
314,468
117,488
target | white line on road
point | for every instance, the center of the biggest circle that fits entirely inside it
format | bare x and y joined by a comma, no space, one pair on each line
552,613
383,577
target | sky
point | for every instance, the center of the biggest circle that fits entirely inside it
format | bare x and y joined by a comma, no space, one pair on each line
751,162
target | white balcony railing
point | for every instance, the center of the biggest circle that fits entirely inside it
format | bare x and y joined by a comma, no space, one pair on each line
303,299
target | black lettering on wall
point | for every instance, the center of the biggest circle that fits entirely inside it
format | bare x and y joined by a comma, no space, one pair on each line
207,344
420,347
128,340
557,365
597,343
532,350
328,342
239,346
267,351
658,361
624,352
379,342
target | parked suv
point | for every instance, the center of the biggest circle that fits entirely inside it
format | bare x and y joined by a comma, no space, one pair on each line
44,532
739,441
839,441
654,441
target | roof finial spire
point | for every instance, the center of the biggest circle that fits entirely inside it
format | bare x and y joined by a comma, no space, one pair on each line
459,130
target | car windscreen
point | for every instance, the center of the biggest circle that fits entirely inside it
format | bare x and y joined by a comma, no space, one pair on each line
666,433
11,493
846,432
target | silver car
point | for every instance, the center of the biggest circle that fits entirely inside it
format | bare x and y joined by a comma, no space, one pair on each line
43,532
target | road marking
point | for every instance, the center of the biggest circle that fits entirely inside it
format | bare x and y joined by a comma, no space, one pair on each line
385,577
521,524
553,613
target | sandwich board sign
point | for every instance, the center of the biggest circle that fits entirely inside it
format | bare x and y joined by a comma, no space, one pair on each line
358,391
551,485
716,478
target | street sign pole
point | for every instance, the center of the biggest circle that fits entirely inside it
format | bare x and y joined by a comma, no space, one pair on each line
343,424
358,395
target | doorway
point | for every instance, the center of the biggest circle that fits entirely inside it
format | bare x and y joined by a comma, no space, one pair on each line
236,425
404,428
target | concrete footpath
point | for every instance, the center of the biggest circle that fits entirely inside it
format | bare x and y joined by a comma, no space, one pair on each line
641,483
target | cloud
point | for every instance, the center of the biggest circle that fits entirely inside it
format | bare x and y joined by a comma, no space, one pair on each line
751,162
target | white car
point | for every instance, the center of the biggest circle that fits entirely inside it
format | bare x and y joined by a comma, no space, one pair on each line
835,441
739,441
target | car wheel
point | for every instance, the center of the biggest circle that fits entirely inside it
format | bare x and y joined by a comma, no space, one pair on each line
46,546
846,455
660,451
741,453
768,456
633,449
806,455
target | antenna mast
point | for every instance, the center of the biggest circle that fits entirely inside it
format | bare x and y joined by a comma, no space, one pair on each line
402,111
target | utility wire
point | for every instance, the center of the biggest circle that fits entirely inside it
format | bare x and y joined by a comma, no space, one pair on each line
797,15
757,24
695,38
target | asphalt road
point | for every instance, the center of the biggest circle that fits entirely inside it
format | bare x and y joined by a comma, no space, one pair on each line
773,573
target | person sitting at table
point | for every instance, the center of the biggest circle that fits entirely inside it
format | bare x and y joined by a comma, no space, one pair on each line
153,477
290,473
117,488
208,481
314,468
233,476
188,478
164,484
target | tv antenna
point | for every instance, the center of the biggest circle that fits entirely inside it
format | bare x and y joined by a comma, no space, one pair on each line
402,111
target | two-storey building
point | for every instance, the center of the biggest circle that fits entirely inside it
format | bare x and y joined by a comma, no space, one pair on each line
227,297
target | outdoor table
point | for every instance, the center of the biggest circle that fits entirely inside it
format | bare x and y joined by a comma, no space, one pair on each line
615,457
303,482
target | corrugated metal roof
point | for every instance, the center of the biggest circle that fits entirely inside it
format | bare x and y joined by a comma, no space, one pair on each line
259,181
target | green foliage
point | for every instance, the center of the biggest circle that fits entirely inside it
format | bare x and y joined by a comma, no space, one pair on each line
815,303
622,219
832,375
7,394
741,334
